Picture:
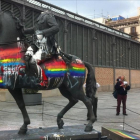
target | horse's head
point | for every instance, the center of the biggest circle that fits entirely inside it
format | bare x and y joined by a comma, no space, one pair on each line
10,28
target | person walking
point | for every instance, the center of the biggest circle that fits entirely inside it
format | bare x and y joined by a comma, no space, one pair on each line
122,87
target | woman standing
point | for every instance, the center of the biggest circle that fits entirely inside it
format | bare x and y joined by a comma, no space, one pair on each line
122,87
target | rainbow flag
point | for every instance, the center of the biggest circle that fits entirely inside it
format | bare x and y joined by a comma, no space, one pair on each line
124,134
55,68
77,70
1,82
58,68
10,60
10,56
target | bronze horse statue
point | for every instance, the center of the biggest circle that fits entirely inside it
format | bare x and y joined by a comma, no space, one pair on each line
55,73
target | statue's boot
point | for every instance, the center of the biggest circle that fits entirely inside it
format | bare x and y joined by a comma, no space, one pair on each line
32,68
66,57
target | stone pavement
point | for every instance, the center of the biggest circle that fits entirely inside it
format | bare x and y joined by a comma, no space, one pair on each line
106,113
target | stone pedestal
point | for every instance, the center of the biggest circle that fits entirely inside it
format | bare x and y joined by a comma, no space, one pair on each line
53,133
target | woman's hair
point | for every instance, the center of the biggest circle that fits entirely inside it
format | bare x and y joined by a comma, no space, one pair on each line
123,78
118,78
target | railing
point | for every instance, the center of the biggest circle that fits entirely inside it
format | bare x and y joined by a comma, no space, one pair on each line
44,107
67,13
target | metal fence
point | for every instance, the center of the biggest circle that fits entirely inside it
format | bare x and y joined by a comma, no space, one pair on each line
45,112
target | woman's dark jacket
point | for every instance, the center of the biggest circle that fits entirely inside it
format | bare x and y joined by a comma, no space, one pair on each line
120,89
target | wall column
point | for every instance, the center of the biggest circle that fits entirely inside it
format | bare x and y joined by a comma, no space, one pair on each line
113,62
129,48
65,35
23,14
94,38
0,5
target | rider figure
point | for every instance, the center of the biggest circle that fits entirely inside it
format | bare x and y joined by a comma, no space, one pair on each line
45,29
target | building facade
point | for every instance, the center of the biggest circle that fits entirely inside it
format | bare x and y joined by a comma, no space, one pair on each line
129,25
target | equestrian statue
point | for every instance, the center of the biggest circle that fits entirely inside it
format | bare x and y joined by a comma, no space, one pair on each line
41,64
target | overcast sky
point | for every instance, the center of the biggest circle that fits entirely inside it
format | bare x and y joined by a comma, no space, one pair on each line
97,8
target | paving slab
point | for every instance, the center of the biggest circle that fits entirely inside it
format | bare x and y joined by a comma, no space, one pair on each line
77,115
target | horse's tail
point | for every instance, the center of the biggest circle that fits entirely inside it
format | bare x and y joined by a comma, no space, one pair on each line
90,81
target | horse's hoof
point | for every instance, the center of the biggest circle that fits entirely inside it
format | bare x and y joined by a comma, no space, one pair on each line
22,131
93,119
88,128
60,124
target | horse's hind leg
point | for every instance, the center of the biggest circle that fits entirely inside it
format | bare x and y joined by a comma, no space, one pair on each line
88,103
94,105
17,94
95,102
71,103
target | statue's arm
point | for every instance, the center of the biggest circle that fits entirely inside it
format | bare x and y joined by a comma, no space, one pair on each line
51,21
29,30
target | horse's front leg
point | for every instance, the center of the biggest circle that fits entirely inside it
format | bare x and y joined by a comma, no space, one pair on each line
17,95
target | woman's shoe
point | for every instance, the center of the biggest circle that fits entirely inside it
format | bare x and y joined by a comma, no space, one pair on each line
125,114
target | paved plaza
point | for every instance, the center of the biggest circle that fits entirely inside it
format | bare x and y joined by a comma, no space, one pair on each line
77,115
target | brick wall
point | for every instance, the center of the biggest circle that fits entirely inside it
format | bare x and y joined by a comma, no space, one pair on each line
135,78
104,77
